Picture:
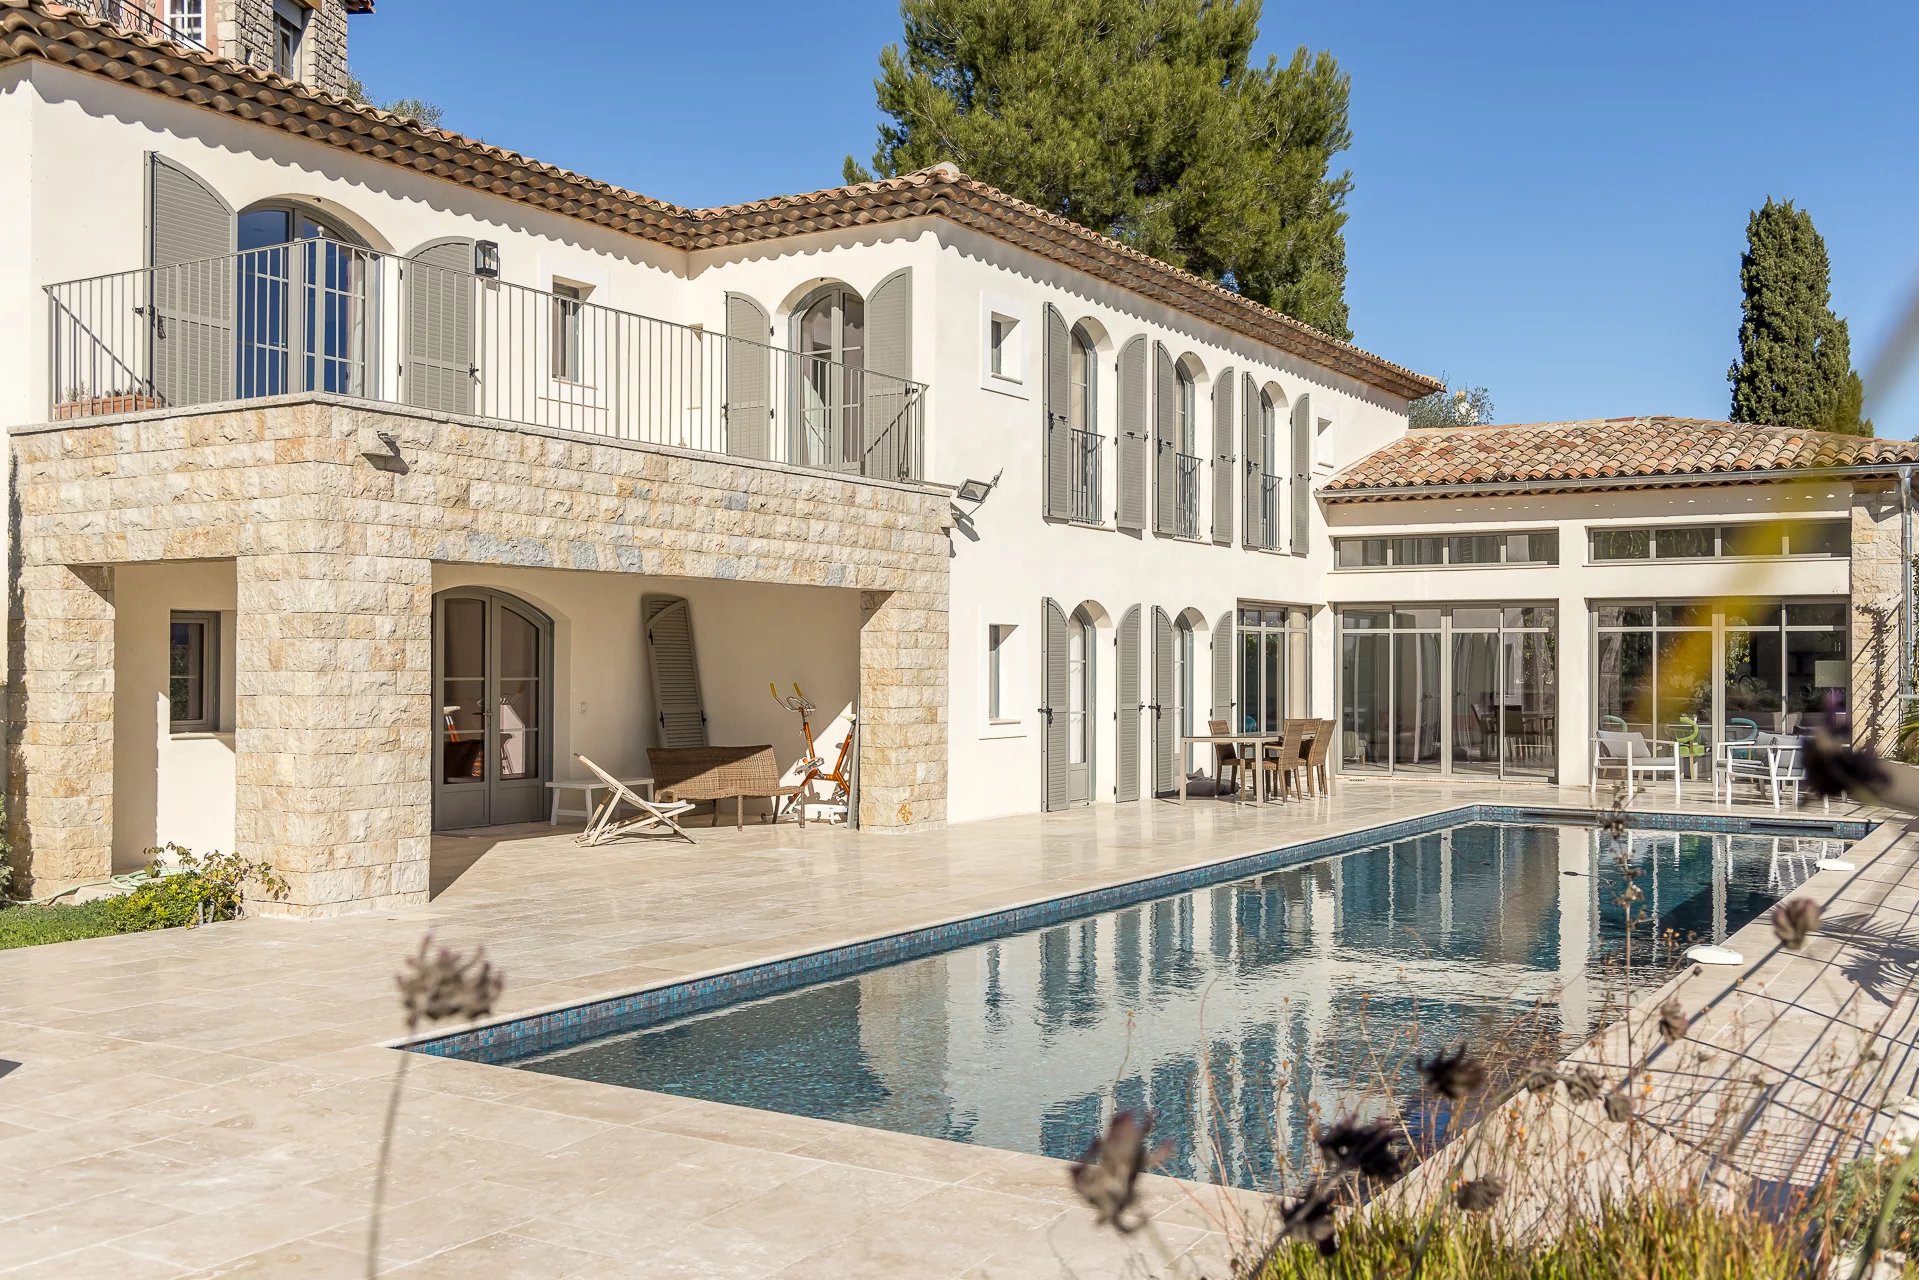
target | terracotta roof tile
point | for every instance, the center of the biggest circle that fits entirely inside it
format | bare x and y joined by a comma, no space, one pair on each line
52,32
1632,451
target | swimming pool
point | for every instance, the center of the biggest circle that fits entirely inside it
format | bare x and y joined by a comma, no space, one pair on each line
1228,1006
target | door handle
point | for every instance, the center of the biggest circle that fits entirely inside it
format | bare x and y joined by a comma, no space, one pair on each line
1048,713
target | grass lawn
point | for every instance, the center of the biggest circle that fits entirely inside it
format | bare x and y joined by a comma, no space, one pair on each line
30,926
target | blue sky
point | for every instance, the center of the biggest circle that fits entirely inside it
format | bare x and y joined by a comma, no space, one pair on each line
1550,198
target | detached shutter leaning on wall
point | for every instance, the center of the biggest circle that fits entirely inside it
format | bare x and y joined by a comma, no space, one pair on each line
678,709
1135,448
1223,685
1252,439
190,319
1301,499
1223,476
1053,740
1165,447
1165,745
890,439
1058,427
749,379
437,299
1126,706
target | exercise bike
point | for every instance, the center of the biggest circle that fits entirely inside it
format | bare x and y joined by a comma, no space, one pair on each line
813,762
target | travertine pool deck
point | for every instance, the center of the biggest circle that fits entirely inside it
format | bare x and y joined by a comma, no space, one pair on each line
210,1102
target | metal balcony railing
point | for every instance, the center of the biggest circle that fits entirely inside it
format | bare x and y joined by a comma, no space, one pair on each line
144,18
1268,511
319,315
1185,495
1086,475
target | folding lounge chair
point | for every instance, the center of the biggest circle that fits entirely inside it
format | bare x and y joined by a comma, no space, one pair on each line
602,827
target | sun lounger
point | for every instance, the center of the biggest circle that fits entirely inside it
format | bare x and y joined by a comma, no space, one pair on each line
604,825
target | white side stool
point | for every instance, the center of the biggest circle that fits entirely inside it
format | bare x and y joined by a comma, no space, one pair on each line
589,790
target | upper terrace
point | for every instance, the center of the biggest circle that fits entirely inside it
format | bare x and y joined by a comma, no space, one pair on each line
441,331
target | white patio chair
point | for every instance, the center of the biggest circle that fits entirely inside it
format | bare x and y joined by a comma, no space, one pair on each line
1773,762
1632,756
603,826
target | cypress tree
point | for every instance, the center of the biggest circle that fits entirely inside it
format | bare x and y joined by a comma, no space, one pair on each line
1795,355
1141,119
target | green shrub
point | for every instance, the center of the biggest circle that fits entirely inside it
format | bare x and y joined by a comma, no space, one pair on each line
24,926
203,890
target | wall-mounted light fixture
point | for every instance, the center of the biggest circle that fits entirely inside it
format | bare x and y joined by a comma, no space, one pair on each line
387,458
486,259
975,491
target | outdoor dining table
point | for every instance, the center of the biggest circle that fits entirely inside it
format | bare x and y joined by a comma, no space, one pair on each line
1258,741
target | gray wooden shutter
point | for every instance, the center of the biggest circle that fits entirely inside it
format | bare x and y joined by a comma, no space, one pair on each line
1301,499
1165,446
1059,435
1253,437
676,671
1223,683
437,300
1126,706
1223,476
190,240
1054,731
1135,453
890,439
749,379
1165,743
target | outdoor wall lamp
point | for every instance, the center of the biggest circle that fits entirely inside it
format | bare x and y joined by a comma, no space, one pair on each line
390,459
486,259
975,491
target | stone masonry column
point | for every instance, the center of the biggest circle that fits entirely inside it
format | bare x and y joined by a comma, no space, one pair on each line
60,729
333,723
1878,569
903,659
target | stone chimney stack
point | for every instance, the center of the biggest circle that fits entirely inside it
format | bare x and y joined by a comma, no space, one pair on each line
304,40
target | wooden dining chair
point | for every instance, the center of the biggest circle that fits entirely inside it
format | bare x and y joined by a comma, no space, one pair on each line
1284,762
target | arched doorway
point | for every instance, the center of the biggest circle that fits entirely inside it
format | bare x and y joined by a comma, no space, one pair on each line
829,331
303,303
1080,699
493,685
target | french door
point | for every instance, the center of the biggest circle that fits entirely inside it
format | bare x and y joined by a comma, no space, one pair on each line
493,675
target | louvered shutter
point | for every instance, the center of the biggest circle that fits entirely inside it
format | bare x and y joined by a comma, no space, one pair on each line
1165,744
1165,446
889,365
190,238
437,299
1126,706
1054,731
749,379
1223,476
1223,683
1059,434
1135,449
1301,499
1253,438
676,671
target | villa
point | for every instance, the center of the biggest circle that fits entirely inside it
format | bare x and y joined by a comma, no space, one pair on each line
353,461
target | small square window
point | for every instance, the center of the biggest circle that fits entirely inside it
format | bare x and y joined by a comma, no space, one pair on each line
193,672
996,637
1003,352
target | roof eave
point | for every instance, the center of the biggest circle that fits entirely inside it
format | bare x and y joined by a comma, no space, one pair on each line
1694,480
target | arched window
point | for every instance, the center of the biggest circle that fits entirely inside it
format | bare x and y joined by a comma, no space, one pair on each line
1183,679
1187,427
1079,707
302,313
1084,401
829,330
1269,468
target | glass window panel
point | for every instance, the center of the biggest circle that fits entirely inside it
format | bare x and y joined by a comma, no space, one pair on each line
1530,675
1249,617
1414,551
1475,619
1685,615
1685,676
1299,619
1822,539
1543,547
1417,618
1742,614
1364,619
1366,696
1624,615
1299,686
1753,675
1816,615
1530,616
1249,673
1271,712
1750,540
1417,708
519,646
1477,702
1273,618
1815,667
1685,542
1477,548
463,639
1362,553
1622,544
1622,681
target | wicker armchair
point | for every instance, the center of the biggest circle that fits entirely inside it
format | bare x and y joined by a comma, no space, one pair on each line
720,773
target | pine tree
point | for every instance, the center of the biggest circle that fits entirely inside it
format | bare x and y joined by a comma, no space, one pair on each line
1795,355
1142,119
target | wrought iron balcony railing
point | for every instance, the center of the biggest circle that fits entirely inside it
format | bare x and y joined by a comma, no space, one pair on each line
1268,511
319,315
1186,495
143,17
1086,475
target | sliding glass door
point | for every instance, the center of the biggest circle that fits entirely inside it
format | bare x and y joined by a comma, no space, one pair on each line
1449,689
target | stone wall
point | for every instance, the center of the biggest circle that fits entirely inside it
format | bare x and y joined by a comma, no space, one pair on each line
245,33
334,562
1878,573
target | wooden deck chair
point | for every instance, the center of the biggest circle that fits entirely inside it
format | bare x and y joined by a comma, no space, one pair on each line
602,826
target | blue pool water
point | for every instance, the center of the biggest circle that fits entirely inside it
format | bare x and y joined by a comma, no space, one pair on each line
1231,1011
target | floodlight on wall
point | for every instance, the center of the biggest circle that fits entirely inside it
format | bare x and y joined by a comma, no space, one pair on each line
975,491
486,259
